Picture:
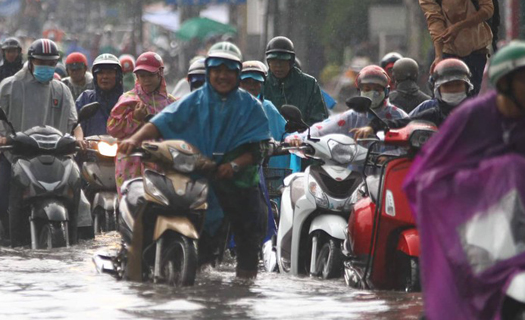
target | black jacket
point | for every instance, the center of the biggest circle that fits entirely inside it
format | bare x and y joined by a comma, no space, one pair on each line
407,96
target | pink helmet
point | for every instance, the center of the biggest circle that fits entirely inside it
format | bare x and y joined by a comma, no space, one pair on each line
149,61
372,74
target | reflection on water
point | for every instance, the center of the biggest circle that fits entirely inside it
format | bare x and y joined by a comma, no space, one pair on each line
63,283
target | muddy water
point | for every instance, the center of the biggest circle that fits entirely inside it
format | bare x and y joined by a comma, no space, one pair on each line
63,284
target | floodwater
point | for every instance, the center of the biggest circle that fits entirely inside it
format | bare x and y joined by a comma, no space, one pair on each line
64,284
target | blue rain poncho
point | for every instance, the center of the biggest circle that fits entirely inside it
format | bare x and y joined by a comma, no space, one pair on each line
216,125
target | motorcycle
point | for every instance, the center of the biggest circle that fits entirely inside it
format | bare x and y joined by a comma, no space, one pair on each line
162,215
45,182
381,246
98,171
315,204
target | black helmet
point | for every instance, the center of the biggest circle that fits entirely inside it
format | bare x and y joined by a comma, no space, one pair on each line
405,69
43,49
11,43
390,58
280,45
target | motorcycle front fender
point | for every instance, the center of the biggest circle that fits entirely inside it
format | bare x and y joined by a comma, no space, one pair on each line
332,224
180,225
409,242
50,209
107,200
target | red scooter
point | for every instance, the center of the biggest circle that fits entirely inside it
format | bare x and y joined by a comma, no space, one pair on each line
382,243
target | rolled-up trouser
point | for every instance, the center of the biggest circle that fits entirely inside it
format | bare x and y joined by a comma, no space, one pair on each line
248,214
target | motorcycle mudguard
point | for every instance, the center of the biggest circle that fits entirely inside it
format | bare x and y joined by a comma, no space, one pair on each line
84,212
107,200
332,224
516,288
409,242
50,209
180,225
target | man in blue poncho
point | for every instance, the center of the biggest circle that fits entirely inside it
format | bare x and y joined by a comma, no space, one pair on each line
229,126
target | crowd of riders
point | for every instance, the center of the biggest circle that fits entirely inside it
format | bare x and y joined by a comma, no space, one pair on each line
230,106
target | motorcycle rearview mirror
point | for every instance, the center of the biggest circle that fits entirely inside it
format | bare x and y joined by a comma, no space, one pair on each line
86,112
363,105
3,117
359,104
294,120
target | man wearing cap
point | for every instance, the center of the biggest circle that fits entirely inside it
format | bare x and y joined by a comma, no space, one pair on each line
108,89
229,126
287,84
79,79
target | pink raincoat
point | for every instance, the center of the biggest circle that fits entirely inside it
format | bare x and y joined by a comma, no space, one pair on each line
122,125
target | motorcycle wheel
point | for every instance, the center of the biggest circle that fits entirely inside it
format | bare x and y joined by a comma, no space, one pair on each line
111,220
408,273
329,261
52,235
179,261
104,220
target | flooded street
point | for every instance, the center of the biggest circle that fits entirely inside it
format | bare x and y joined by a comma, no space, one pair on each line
64,284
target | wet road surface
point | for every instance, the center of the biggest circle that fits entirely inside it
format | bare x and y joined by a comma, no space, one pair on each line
64,284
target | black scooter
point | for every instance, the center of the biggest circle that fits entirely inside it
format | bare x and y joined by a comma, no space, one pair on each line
45,184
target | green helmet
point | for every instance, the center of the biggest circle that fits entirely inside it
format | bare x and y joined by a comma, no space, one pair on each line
225,50
106,60
506,60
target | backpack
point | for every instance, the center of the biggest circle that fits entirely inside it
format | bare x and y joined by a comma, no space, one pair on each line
493,22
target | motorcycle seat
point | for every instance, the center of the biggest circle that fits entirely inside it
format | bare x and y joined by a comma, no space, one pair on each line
372,183
297,191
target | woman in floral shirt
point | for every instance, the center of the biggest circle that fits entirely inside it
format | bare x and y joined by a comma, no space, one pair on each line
129,114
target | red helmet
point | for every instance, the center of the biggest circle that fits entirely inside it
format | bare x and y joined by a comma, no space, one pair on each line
149,61
76,59
372,74
127,62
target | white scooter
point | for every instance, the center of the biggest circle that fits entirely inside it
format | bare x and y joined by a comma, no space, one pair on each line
315,204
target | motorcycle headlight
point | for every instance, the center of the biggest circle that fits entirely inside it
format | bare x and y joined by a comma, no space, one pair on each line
150,188
342,153
419,137
315,189
106,149
182,162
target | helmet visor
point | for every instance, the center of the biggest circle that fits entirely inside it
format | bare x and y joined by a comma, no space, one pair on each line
279,55
253,75
215,62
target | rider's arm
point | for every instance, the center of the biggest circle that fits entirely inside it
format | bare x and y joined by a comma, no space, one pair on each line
147,132
122,121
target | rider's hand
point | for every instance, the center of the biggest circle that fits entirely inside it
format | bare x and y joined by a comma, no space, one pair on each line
3,141
140,112
83,144
364,132
127,146
450,33
224,171
436,61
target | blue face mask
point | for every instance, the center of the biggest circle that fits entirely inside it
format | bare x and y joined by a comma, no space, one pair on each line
43,73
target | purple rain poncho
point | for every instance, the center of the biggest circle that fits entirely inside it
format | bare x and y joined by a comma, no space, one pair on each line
467,189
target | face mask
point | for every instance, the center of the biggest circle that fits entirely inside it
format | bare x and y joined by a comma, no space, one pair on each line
376,97
453,99
43,73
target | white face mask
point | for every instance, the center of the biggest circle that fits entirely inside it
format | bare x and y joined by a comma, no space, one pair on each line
376,97
453,99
